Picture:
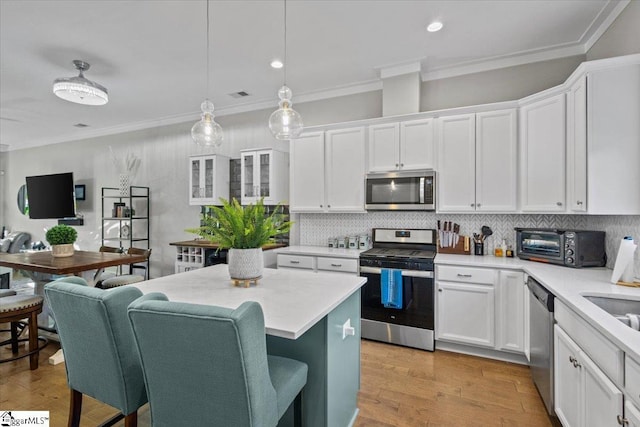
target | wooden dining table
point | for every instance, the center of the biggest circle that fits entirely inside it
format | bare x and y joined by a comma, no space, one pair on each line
42,267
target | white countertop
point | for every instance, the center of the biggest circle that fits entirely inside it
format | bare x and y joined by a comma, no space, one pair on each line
292,301
320,251
569,285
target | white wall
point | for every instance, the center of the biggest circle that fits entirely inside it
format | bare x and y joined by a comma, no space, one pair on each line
622,37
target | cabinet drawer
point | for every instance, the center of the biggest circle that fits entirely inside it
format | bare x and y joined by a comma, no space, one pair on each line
296,261
602,351
466,274
632,379
338,264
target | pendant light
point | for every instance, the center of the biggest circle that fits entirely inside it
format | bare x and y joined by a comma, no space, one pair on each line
207,132
79,89
285,123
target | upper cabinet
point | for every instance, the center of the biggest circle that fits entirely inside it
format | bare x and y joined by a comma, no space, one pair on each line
577,146
208,179
402,146
264,173
456,161
477,162
613,140
327,171
542,155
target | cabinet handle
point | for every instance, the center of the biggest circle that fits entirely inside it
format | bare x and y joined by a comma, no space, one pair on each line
572,359
579,202
320,205
622,421
397,165
478,205
294,262
336,265
473,204
464,275
401,165
559,203
439,290
328,206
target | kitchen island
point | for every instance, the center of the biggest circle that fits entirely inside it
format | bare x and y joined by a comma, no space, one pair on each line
311,317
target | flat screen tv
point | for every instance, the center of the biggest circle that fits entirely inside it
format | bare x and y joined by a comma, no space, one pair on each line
51,196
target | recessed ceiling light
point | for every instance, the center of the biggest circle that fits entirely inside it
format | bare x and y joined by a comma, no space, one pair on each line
435,26
276,64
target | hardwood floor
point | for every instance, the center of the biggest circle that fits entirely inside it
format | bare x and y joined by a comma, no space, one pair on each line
400,387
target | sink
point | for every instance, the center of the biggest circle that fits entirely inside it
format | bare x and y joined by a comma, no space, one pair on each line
617,307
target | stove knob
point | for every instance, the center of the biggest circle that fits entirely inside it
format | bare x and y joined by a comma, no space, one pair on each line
570,261
569,252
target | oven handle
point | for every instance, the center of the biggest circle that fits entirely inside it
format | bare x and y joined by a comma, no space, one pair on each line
408,273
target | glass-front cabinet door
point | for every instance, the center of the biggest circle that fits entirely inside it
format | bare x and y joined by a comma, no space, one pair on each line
255,179
265,173
208,179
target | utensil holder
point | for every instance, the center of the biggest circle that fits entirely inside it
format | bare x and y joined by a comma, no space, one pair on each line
478,248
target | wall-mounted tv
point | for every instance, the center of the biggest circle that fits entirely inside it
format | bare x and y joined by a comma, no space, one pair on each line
51,196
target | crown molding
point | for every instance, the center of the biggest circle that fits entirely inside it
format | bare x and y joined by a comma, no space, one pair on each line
596,30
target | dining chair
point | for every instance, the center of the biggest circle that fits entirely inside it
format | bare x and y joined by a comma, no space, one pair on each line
99,349
210,363
128,279
101,274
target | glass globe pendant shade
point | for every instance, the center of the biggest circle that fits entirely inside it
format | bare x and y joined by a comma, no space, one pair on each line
285,122
207,132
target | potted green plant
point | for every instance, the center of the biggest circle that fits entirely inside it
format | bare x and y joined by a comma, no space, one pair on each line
61,238
243,230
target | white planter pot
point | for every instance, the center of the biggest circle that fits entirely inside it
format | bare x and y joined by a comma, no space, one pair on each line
245,263
59,251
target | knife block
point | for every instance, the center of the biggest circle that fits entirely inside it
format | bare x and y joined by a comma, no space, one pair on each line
460,249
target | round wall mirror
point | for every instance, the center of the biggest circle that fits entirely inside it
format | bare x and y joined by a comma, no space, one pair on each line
23,200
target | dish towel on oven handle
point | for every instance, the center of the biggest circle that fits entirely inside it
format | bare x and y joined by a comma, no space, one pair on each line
391,288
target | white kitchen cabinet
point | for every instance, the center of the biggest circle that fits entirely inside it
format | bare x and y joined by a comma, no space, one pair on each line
402,146
208,179
542,155
307,173
465,305
466,314
631,414
344,170
577,146
327,171
613,132
315,263
510,311
264,173
584,395
477,158
456,163
496,161
567,379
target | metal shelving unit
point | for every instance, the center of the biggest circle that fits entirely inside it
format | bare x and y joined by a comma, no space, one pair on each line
132,227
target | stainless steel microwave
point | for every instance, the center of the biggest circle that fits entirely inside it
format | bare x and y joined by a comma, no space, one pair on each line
406,190
571,248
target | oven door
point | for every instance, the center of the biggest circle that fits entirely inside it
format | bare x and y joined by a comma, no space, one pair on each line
400,191
410,326
541,245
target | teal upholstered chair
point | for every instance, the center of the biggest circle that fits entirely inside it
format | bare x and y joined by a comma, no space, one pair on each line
99,349
207,364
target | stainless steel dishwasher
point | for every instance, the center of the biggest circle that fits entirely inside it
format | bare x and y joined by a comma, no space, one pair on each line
541,341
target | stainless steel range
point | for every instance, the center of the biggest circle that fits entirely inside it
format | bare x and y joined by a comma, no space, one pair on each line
410,320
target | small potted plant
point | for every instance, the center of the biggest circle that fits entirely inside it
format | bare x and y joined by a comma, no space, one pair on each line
61,238
243,230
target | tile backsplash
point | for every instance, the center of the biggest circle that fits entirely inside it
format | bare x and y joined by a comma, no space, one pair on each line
316,228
